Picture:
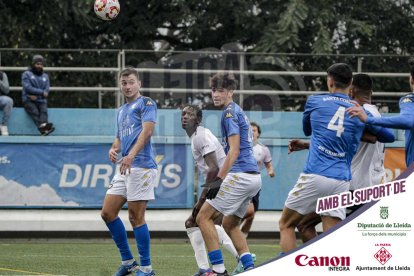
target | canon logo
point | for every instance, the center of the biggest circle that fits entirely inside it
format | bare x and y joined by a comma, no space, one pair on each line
304,260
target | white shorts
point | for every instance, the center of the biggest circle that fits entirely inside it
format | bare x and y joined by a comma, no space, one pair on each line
235,193
139,185
309,187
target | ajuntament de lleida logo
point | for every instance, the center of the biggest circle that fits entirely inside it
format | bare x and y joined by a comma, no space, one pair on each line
384,212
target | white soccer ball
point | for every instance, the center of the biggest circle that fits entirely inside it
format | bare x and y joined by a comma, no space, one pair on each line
106,9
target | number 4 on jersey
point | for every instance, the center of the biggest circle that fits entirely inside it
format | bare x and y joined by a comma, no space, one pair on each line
339,116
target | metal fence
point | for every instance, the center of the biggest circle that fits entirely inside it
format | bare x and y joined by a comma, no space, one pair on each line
89,77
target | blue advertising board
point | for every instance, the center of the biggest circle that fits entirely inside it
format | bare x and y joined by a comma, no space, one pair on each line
78,175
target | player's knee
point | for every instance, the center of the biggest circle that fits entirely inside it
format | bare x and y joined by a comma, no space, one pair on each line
249,215
136,218
200,218
283,225
107,216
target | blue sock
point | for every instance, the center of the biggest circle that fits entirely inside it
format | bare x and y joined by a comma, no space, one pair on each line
247,260
142,237
215,257
119,235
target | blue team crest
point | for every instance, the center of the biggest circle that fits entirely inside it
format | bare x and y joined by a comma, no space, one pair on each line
384,212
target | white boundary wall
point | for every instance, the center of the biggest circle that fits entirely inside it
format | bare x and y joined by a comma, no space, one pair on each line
21,220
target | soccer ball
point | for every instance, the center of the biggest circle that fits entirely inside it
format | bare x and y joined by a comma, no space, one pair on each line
106,9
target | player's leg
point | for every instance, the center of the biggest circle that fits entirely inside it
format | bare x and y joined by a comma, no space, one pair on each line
333,217
243,187
306,226
226,241
205,220
248,220
140,189
197,242
328,222
136,211
287,224
249,216
113,202
231,225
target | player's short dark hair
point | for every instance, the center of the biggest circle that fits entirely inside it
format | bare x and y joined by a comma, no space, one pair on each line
197,110
258,127
341,73
362,81
411,64
129,70
223,80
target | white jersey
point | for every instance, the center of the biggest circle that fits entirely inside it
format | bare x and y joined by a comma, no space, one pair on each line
261,154
204,142
368,163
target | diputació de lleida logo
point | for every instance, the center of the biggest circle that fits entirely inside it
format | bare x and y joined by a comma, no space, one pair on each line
384,212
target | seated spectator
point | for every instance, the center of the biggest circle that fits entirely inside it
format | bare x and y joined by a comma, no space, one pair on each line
35,92
6,103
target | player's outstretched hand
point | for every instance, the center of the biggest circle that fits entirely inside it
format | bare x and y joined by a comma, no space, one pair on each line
297,145
357,111
213,187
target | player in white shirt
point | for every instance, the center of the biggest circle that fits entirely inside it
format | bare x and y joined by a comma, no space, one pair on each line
264,159
368,163
209,157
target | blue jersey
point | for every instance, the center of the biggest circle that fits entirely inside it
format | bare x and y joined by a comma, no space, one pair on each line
130,118
403,121
235,122
335,136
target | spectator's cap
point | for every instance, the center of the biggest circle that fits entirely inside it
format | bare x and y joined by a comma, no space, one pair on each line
37,58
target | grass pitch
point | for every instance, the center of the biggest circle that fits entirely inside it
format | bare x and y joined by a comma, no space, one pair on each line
100,257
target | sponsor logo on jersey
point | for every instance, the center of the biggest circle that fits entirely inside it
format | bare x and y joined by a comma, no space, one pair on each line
149,103
228,115
407,100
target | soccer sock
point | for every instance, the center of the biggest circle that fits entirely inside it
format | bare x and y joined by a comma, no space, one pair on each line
142,237
197,242
247,261
216,259
119,235
225,240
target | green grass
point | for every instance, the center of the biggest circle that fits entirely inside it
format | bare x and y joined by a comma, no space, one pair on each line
100,257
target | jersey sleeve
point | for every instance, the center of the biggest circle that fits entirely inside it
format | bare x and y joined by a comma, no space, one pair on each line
231,123
204,144
149,110
384,135
403,121
267,156
306,122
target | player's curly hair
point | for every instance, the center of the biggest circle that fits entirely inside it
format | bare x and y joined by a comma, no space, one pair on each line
223,80
197,111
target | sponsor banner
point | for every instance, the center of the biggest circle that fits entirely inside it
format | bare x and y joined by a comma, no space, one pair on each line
376,240
78,175
394,162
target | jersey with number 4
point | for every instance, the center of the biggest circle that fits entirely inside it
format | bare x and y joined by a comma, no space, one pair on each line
334,135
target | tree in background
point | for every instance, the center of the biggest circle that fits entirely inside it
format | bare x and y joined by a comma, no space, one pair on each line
271,26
